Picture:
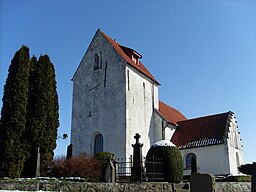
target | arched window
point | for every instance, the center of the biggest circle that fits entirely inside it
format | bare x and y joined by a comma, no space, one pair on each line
98,143
189,158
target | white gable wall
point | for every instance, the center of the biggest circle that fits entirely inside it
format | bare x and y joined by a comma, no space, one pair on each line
235,150
169,131
222,159
99,100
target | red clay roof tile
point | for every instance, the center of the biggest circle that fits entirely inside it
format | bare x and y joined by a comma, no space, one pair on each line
201,131
170,114
120,49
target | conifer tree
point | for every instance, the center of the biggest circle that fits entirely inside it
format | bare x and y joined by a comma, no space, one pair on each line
34,125
13,115
43,116
51,107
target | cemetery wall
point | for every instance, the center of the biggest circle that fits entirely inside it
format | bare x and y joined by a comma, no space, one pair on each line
69,186
233,186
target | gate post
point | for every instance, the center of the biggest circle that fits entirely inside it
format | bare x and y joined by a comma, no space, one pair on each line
137,160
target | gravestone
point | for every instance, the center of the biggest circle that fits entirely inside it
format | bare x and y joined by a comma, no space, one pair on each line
38,162
202,182
110,171
69,151
137,160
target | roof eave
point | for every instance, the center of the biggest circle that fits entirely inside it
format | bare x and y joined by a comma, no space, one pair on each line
154,80
161,116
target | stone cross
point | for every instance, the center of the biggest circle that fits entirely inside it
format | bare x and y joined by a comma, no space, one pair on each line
137,160
137,137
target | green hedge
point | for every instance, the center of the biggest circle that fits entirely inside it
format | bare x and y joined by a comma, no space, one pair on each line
172,162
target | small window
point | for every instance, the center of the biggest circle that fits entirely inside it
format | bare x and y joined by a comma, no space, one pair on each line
189,159
96,61
98,143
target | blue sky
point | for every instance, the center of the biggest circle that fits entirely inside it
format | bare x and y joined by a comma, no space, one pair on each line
202,52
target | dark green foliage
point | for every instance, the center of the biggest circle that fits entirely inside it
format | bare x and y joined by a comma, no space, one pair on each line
172,162
13,115
51,109
104,159
43,116
29,116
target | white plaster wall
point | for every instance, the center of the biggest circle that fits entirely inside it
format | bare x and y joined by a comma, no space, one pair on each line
169,131
210,159
235,150
107,104
141,99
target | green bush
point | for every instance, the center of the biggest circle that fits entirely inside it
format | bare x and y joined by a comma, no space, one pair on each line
103,158
172,162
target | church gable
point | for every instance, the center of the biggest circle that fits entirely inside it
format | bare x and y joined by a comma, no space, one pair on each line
203,131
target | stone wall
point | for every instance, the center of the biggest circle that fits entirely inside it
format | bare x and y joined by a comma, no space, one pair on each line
69,186
233,186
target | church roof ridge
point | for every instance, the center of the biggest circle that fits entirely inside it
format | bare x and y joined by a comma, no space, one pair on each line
208,116
119,48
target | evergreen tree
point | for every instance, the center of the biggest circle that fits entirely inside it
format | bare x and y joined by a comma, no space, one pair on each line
51,108
34,126
43,116
13,115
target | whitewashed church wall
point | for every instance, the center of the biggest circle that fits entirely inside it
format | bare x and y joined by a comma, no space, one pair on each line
235,150
210,159
140,102
99,100
156,96
169,131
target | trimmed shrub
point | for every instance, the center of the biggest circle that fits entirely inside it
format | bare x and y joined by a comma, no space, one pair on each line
103,158
82,166
172,162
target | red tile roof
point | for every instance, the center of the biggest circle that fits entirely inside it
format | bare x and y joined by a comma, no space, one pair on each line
170,114
121,50
201,131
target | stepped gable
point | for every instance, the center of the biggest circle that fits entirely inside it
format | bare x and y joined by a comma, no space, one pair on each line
202,131
128,54
170,114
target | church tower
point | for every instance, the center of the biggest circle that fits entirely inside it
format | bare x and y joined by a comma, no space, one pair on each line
114,97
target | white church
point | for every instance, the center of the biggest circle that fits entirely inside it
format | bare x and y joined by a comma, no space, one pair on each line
115,97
